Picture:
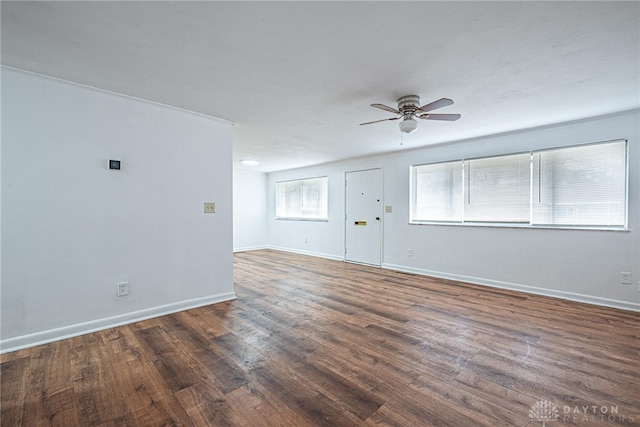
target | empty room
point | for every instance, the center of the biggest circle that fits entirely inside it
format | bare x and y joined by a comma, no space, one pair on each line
367,213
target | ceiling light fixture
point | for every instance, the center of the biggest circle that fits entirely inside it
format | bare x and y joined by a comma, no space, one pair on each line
250,162
408,125
409,109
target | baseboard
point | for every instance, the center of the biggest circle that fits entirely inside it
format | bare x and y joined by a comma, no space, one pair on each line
310,253
250,248
57,334
571,296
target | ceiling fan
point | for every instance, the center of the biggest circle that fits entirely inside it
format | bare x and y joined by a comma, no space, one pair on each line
408,109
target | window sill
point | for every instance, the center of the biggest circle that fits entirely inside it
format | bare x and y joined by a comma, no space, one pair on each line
303,219
522,226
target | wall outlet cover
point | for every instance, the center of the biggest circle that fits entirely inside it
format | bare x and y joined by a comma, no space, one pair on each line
209,207
122,289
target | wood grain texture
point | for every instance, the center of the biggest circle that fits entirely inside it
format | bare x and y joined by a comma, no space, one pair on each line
315,342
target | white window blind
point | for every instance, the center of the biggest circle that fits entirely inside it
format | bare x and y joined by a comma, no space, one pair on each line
579,186
302,199
498,189
437,192
583,185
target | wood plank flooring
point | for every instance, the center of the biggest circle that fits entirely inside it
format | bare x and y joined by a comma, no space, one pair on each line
315,342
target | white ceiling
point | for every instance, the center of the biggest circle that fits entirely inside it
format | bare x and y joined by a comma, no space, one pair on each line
298,77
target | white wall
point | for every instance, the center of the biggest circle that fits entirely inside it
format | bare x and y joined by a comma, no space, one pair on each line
581,265
72,228
249,210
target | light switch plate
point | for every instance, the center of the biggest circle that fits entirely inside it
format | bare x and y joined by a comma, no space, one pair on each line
209,207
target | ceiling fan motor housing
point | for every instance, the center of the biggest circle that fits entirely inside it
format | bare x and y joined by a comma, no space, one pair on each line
408,104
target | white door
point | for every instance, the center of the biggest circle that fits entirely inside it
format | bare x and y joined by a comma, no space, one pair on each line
363,218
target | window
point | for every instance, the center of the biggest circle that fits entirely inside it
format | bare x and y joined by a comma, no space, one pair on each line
498,189
302,199
582,186
437,192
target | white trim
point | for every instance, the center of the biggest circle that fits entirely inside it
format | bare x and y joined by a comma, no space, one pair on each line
571,296
520,226
250,248
301,252
51,335
122,95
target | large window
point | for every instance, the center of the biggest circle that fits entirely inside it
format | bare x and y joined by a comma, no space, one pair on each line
302,199
582,186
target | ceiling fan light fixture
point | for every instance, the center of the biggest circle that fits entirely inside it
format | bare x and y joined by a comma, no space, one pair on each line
409,110
408,125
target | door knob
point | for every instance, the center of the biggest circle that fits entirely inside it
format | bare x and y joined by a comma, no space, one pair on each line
377,218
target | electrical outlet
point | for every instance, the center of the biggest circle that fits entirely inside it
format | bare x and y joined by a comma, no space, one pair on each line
388,209
625,278
410,252
209,207
122,289
306,240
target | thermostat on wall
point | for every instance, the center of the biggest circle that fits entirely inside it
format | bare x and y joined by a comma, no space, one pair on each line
114,164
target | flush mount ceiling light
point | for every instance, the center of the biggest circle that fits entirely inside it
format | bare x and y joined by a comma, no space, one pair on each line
409,109
248,162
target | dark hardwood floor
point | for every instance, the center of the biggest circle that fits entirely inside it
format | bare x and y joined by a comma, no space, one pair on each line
315,342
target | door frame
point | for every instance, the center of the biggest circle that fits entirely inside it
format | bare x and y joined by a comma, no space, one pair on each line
344,218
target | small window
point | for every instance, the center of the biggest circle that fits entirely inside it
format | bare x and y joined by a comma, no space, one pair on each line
498,189
303,199
437,192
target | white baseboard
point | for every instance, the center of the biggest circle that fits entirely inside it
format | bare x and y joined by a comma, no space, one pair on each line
51,335
571,296
302,252
250,248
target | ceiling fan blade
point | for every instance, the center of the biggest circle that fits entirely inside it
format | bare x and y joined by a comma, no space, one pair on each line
385,108
442,102
377,121
447,117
